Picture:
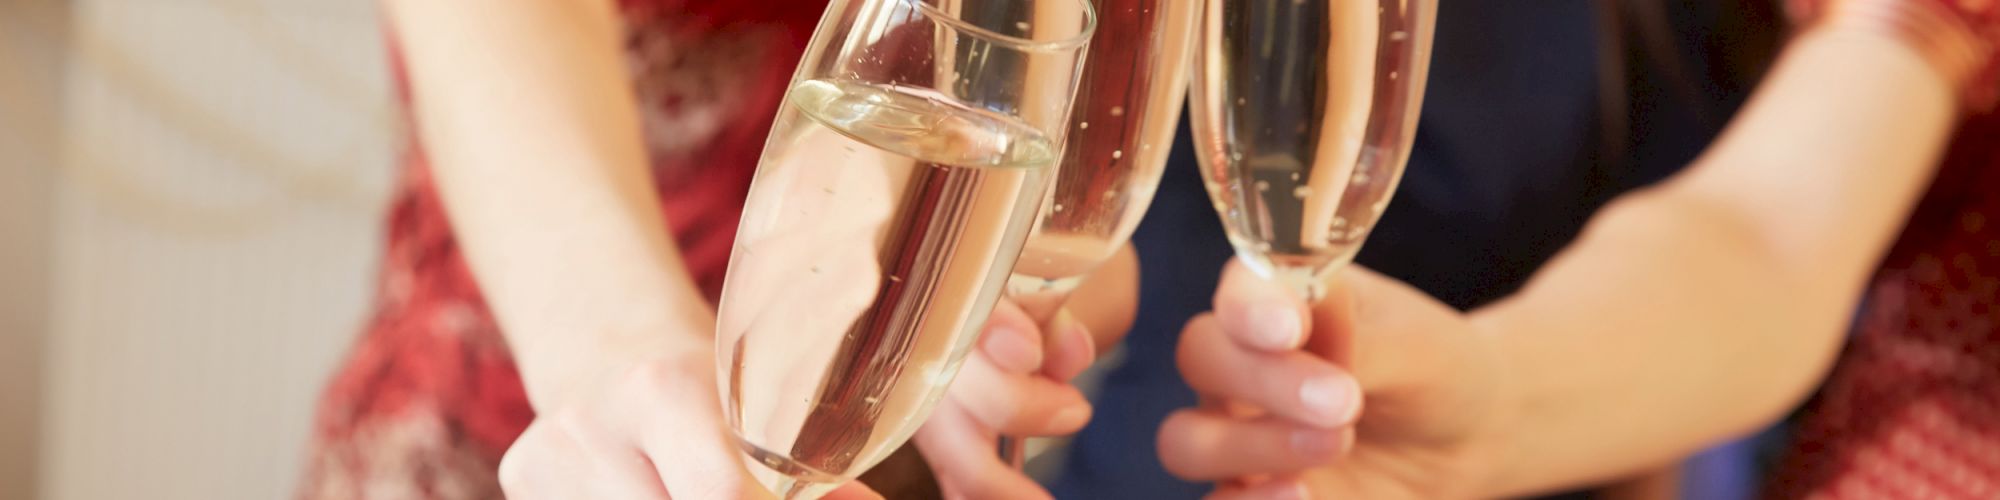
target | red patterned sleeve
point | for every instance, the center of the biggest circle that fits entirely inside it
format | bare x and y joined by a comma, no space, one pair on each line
1959,37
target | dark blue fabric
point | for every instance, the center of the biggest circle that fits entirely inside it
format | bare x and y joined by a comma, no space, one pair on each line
1504,173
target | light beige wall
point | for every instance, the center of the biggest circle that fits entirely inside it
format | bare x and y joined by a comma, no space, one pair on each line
215,221
31,48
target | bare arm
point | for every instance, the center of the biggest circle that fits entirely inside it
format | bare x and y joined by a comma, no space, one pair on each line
525,112
1708,306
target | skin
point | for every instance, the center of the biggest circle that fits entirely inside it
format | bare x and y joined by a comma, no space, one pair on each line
550,198
1687,313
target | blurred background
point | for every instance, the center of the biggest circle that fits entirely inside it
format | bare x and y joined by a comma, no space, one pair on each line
189,199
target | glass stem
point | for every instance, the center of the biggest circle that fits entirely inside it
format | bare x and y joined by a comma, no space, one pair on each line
1305,282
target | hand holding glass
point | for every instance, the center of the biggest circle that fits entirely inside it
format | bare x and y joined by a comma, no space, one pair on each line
900,179
1127,109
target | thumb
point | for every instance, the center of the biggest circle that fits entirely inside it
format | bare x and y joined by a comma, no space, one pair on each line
1259,313
1380,329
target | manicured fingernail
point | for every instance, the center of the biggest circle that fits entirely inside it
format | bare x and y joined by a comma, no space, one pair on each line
1276,327
1072,417
1316,442
1012,350
1332,398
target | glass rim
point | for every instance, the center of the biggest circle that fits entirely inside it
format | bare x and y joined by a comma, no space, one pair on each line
1076,41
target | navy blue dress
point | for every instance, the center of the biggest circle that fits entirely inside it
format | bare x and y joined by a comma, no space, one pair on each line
1507,167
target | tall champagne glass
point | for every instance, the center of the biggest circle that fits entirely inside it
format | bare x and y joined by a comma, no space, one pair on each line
901,178
1127,108
1303,114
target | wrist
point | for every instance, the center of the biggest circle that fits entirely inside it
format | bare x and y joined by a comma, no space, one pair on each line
1495,446
557,366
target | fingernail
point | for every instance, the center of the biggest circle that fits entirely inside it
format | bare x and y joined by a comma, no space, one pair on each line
1333,398
1081,335
1316,442
1012,350
1072,417
1276,327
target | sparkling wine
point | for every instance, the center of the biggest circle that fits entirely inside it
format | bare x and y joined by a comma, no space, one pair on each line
1304,112
1126,110
878,230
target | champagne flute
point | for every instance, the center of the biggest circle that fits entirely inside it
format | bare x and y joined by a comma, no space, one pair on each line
1304,111
1126,112
902,174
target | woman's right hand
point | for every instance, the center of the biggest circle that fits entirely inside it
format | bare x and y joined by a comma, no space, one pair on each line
1282,384
650,430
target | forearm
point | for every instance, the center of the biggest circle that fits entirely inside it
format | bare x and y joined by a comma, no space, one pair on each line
1712,304
531,131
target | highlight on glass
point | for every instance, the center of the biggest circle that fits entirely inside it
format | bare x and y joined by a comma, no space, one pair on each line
902,175
1128,107
1304,114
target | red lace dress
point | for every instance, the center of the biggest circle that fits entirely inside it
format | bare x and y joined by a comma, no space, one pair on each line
429,397
1913,408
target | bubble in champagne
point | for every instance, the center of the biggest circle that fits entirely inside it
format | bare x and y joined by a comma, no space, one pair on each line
1083,125
1399,35
1117,111
1263,186
1339,222
1117,154
1058,207
1021,25
1302,192
1295,176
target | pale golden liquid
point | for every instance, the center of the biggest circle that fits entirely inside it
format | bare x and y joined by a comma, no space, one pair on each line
1127,108
1304,113
877,236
